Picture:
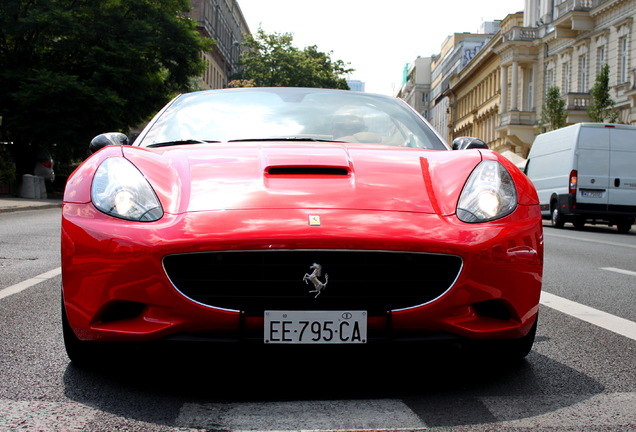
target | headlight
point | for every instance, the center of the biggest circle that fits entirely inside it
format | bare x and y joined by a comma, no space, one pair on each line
488,194
120,190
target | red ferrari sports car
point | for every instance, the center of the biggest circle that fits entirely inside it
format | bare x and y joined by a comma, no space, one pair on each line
283,216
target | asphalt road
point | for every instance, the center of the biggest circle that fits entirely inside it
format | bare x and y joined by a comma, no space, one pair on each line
580,376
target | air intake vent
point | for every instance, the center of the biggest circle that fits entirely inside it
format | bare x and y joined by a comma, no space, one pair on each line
300,170
254,281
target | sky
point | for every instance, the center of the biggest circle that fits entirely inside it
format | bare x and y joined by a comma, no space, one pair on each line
377,38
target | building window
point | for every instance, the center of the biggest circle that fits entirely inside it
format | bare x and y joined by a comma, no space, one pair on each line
530,98
566,78
583,73
600,58
622,60
549,79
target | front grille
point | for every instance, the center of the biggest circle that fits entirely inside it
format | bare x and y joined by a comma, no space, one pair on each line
254,281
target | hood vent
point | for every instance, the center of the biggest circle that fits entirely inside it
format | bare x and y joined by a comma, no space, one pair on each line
308,170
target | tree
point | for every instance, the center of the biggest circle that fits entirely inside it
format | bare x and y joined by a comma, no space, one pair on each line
602,108
553,115
273,61
241,83
7,170
70,69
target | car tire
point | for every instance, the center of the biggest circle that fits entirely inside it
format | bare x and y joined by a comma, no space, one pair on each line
508,350
519,348
557,218
81,353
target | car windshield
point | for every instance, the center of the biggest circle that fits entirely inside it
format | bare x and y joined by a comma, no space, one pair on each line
289,114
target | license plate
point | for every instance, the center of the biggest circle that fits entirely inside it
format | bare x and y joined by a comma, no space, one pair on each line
592,194
315,327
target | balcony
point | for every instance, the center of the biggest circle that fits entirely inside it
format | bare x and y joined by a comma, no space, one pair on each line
575,5
577,101
573,17
576,106
518,118
520,34
517,128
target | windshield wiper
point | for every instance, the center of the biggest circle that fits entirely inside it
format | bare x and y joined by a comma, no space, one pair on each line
181,142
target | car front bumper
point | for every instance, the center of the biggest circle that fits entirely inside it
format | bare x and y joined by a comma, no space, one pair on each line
116,287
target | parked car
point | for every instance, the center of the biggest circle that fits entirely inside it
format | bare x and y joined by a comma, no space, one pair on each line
585,173
290,216
44,166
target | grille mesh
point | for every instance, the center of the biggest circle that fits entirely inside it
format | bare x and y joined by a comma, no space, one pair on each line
254,281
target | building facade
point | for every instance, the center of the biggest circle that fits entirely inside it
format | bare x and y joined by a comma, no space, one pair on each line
457,51
417,85
558,43
356,85
575,38
499,94
473,98
222,21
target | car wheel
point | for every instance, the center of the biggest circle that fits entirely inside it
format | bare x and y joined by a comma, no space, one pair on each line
519,348
81,353
557,218
509,350
624,227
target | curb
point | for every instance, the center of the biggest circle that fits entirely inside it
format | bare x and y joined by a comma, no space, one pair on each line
16,206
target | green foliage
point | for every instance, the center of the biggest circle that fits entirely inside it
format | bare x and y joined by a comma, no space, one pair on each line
7,168
71,69
241,83
602,108
273,61
553,114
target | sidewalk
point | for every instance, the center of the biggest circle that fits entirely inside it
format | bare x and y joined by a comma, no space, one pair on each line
13,204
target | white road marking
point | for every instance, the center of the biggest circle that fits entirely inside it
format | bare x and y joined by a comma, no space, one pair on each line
330,415
599,318
19,287
604,411
621,271
608,243
601,411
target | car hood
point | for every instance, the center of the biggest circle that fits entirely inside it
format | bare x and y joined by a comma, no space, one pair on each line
304,176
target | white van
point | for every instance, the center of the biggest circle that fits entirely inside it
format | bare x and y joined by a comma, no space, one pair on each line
586,173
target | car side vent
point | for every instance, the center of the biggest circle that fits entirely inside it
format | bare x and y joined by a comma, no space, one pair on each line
121,311
302,170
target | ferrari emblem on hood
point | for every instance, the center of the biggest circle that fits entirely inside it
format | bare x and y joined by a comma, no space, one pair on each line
313,277
314,220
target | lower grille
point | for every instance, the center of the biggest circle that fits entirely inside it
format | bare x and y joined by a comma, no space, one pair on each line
254,281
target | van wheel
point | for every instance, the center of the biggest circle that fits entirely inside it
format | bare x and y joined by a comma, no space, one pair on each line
579,223
557,218
623,227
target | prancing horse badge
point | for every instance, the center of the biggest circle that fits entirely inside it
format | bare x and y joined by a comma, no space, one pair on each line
313,277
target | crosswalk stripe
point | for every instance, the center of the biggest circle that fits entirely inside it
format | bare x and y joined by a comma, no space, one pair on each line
532,412
332,415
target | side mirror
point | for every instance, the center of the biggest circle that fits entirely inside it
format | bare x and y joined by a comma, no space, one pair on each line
465,143
107,139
